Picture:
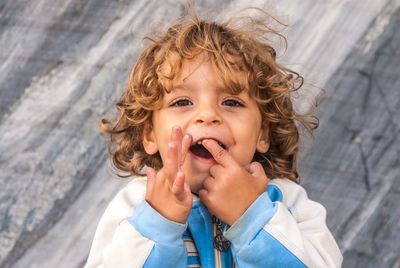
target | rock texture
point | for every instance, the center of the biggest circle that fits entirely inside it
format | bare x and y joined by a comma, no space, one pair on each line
64,64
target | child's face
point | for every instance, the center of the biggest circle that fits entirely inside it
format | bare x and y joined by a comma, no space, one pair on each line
203,108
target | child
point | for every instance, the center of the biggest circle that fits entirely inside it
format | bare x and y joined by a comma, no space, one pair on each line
207,114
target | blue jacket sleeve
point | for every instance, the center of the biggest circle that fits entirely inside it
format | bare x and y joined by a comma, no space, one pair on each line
169,249
269,234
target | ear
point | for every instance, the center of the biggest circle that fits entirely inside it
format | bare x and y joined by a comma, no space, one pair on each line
149,140
263,141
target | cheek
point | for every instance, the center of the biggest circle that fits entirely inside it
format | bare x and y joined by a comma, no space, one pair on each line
163,150
248,139
244,153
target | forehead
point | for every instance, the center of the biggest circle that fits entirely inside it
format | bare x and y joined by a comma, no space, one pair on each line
197,70
191,66
202,70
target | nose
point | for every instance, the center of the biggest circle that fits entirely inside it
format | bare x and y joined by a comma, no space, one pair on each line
208,114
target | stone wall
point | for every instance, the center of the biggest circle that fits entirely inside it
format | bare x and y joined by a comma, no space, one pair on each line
64,64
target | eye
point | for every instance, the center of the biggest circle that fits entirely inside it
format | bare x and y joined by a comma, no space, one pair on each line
233,103
180,102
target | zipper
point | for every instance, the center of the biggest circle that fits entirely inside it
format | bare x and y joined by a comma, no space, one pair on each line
217,253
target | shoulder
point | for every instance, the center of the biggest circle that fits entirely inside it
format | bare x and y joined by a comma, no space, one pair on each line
295,198
131,195
125,201
117,211
285,190
134,191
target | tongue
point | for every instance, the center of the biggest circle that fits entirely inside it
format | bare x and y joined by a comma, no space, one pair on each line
200,151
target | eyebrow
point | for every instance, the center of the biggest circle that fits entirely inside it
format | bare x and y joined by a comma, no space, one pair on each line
182,87
179,87
186,88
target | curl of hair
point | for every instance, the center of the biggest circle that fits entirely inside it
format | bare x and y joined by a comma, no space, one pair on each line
231,47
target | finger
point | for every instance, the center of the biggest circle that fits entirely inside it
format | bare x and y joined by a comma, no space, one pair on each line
220,154
256,170
186,142
151,177
187,189
217,170
247,167
171,162
203,196
208,184
178,187
176,136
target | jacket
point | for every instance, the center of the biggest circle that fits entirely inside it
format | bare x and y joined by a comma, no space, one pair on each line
282,228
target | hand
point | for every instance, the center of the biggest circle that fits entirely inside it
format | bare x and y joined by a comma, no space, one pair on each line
231,188
167,192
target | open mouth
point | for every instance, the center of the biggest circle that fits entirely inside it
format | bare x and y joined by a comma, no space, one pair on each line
199,150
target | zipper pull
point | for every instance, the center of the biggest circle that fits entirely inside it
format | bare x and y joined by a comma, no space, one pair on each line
220,242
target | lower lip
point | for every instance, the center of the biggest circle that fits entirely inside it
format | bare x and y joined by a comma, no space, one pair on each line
208,161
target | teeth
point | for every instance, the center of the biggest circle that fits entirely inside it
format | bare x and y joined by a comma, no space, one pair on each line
220,143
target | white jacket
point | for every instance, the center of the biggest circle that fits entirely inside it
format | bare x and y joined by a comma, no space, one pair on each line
282,228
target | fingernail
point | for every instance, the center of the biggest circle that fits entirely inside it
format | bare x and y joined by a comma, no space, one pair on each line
175,128
170,145
187,136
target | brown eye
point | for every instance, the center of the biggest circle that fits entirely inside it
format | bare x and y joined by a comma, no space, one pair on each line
180,103
232,103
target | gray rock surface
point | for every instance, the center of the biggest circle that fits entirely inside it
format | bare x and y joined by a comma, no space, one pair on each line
354,166
64,64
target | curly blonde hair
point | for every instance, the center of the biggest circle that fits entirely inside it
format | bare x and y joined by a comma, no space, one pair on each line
230,47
